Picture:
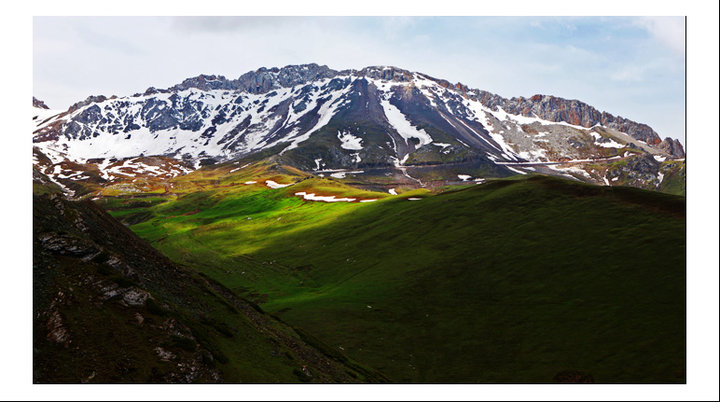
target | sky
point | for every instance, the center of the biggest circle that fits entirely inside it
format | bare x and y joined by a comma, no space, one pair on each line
628,66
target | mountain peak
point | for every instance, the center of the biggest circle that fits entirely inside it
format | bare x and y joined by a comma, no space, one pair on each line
386,73
40,104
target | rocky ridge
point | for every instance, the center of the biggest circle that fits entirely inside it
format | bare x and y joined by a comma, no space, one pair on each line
309,114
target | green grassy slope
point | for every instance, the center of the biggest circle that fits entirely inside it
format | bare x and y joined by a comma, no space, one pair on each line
509,281
89,328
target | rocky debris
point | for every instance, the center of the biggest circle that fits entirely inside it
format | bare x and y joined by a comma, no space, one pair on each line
164,355
128,296
40,104
118,265
672,147
58,203
135,297
187,372
175,328
56,329
80,224
67,244
643,164
110,291
140,319
638,171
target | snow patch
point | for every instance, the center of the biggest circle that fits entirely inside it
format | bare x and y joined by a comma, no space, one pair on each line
323,198
341,175
273,184
403,126
571,169
349,141
516,170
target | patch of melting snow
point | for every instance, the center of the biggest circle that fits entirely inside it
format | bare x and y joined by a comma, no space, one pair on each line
570,169
323,198
250,182
660,178
341,175
392,191
273,184
403,126
516,170
349,141
534,155
369,200
414,199
464,177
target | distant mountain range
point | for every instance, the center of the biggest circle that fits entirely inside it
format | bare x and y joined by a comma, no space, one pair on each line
370,120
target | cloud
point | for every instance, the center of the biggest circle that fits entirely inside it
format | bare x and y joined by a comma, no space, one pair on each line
669,31
228,24
632,72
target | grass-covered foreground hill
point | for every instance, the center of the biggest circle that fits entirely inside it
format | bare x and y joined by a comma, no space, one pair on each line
108,308
516,280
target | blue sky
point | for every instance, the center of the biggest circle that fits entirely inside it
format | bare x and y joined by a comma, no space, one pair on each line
628,66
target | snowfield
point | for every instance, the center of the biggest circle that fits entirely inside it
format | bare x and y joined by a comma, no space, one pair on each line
403,126
273,184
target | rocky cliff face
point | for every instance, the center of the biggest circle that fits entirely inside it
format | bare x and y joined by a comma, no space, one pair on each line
578,113
673,147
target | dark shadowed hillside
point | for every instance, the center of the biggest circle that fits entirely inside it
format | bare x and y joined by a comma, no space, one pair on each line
110,308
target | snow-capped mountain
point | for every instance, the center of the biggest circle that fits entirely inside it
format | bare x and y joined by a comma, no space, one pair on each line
316,119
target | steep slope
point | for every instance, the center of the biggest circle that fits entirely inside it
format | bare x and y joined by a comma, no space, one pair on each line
321,119
525,280
108,308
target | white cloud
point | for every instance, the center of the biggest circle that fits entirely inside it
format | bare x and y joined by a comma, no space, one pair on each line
670,31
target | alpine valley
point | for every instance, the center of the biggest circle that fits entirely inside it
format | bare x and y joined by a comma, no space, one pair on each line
302,224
